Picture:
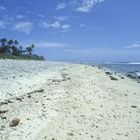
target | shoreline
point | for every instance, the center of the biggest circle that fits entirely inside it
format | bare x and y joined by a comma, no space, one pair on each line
76,102
133,75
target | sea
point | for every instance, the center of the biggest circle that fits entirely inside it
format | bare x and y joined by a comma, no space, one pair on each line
124,68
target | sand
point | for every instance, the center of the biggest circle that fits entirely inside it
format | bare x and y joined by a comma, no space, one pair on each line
68,102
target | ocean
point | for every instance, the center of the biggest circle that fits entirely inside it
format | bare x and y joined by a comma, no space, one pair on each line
123,68
120,67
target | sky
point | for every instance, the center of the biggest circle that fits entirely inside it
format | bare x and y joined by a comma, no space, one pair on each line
75,30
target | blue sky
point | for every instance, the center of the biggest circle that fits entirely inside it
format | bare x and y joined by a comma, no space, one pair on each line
75,30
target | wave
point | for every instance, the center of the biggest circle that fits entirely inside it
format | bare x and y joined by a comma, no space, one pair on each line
112,63
134,63
130,63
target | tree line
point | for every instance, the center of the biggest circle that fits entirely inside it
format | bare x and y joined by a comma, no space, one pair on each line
13,48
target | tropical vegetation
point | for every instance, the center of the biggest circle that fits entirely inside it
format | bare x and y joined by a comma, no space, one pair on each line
11,49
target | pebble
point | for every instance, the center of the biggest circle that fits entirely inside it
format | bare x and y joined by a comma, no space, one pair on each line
14,122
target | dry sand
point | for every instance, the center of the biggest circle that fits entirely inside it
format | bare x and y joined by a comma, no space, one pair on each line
69,102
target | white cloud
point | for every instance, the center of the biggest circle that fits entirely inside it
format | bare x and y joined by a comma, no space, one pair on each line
2,25
66,26
61,6
2,8
50,44
133,46
46,44
83,6
56,25
87,5
62,18
24,27
40,15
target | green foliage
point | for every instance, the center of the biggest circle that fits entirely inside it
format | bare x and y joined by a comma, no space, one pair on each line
10,49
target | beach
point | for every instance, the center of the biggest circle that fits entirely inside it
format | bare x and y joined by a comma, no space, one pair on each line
67,101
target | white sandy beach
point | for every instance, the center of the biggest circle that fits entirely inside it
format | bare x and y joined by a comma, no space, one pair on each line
64,101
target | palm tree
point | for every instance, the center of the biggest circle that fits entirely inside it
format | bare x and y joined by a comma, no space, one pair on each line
3,42
20,47
10,44
16,42
14,50
12,47
4,47
30,49
20,50
32,46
